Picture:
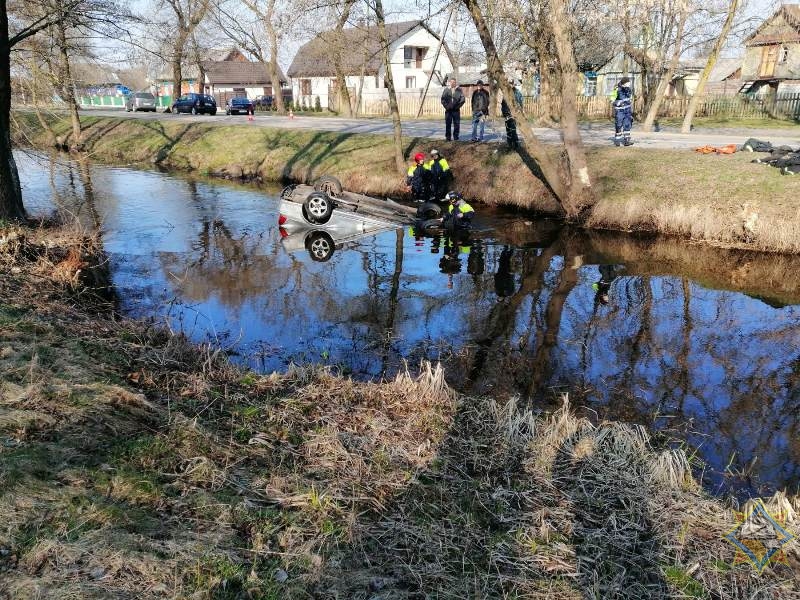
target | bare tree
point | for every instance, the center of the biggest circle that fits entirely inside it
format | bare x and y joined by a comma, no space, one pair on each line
393,108
188,14
712,60
666,76
24,24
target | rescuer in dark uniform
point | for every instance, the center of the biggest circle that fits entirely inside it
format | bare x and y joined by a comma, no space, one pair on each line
418,178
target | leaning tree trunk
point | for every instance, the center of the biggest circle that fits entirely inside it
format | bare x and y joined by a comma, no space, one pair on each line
393,108
549,170
652,112
712,60
11,208
579,185
67,87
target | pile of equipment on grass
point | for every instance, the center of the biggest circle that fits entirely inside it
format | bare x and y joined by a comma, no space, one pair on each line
781,157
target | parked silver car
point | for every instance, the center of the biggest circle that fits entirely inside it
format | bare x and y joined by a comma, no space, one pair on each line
140,101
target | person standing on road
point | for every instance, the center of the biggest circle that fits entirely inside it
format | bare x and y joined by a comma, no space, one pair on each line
439,175
480,110
622,104
452,100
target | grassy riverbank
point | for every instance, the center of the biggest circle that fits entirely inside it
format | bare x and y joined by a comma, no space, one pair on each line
134,464
723,200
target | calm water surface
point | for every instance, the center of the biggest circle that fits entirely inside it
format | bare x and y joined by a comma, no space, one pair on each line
701,344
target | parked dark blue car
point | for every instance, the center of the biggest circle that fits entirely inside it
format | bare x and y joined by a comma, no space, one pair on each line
239,105
195,104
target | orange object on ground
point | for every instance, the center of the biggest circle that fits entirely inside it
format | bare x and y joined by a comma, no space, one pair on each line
729,149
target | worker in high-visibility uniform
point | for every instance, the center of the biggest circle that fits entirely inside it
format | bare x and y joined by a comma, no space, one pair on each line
418,178
622,104
459,212
439,175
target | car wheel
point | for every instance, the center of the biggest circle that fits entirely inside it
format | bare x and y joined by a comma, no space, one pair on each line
318,207
431,226
330,185
287,192
213,112
194,110
320,246
429,210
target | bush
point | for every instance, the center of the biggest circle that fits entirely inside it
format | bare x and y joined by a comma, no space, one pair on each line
304,104
317,104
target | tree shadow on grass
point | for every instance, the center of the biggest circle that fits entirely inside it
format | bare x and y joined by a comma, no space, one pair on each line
170,142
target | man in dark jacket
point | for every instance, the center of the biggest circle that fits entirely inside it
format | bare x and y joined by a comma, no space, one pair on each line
480,110
452,100
622,103
439,175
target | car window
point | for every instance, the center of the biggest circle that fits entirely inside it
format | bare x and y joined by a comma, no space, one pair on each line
209,98
145,95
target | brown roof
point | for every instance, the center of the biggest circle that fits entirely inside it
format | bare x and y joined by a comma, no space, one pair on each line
360,48
791,13
234,72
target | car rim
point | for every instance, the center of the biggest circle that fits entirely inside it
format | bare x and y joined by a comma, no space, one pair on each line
318,207
320,248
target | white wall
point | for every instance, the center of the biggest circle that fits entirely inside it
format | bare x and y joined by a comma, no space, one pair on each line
419,37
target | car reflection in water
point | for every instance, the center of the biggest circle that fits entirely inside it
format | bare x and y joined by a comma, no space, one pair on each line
320,244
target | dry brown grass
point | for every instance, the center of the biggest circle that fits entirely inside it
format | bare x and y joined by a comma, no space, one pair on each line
136,465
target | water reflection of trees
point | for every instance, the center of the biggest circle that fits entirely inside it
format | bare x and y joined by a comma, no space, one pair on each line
717,368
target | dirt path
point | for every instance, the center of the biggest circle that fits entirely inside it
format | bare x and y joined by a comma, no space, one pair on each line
594,134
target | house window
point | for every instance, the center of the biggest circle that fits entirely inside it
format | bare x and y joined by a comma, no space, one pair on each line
590,83
412,57
305,87
784,57
411,82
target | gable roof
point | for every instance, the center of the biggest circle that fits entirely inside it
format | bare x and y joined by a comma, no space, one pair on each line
764,36
361,47
724,68
233,72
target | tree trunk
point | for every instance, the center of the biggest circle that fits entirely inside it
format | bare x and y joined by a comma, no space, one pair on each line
177,63
345,108
274,72
538,152
67,86
712,60
11,208
275,77
579,185
398,130
652,112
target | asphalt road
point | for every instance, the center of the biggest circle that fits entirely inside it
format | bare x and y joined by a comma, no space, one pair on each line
594,134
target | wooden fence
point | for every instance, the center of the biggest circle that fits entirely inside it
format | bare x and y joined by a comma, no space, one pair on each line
785,106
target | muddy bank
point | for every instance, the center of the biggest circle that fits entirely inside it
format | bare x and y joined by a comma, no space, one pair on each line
136,464
720,200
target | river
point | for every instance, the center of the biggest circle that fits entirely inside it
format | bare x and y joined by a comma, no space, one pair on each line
700,345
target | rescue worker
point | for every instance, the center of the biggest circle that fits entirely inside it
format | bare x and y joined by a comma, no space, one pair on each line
459,213
608,273
622,104
418,178
439,175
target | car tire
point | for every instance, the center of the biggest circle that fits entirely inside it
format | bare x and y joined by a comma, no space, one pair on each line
431,226
194,110
213,113
318,208
320,246
429,210
329,185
